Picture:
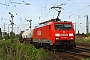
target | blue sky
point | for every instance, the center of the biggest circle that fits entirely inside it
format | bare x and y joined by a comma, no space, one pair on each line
39,10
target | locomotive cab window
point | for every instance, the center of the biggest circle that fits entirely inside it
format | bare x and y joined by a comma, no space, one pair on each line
58,26
63,26
67,26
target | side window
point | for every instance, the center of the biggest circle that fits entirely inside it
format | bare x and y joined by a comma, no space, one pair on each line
49,27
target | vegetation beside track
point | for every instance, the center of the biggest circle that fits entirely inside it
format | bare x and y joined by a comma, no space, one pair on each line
13,50
85,59
85,39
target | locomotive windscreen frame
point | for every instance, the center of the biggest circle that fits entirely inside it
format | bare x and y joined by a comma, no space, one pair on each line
63,26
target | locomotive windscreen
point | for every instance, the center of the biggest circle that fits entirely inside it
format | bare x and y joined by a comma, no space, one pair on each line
63,26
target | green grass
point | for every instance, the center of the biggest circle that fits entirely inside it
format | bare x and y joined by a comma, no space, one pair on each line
83,40
22,51
85,58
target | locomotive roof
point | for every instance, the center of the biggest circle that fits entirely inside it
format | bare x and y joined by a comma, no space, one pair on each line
50,22
57,20
53,20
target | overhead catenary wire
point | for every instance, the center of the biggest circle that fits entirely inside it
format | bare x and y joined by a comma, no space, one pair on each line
6,8
46,14
4,13
79,11
65,3
56,2
57,5
71,4
16,12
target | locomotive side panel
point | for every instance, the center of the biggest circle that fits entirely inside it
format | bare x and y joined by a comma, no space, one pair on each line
39,34
42,35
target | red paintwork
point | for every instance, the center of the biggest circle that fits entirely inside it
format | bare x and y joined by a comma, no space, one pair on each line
49,33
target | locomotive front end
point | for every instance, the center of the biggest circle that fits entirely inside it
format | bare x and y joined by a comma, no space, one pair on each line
64,35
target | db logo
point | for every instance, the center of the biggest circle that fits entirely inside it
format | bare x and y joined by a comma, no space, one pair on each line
39,33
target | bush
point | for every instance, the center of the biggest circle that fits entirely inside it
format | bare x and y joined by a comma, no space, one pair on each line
84,40
13,50
85,58
88,34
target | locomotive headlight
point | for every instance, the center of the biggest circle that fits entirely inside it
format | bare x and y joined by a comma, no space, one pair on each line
71,38
57,34
57,38
70,34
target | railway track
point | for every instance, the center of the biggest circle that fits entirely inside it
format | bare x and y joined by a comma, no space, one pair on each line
83,45
81,51
61,56
85,49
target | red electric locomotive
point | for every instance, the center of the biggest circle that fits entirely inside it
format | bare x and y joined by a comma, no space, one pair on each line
54,34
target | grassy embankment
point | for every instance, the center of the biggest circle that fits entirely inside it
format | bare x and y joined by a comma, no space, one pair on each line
13,50
84,40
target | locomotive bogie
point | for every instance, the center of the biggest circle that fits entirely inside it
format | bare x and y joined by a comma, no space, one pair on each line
64,44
